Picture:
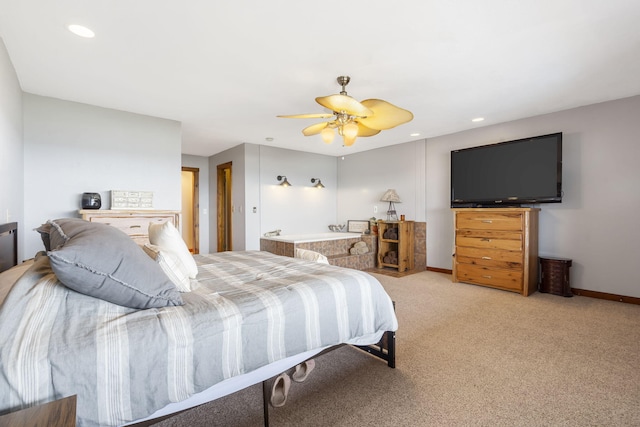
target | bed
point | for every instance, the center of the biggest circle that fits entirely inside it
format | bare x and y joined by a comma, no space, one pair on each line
247,317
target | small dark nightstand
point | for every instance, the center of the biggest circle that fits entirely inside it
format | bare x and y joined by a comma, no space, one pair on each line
554,276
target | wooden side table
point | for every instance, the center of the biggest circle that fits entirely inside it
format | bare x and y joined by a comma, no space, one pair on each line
59,413
554,276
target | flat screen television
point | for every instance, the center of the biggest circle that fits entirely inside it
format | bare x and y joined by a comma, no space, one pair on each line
512,173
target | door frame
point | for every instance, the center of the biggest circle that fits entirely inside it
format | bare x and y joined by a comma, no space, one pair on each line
195,198
224,207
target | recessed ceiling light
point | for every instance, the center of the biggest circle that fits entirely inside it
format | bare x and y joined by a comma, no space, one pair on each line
81,31
415,134
268,139
477,119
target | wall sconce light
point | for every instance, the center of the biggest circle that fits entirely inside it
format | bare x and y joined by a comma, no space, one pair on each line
319,184
284,183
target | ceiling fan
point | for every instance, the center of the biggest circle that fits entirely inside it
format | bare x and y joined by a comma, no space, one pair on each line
351,118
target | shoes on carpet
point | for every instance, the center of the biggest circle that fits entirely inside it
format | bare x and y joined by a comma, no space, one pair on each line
280,390
302,370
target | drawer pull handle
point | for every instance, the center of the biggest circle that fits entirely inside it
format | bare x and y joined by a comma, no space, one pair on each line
487,221
486,257
135,226
487,277
484,239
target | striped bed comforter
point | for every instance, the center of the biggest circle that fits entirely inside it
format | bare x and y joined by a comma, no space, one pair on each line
249,309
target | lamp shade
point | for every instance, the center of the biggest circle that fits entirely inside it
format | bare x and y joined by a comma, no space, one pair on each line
349,141
390,196
327,135
319,184
284,183
350,130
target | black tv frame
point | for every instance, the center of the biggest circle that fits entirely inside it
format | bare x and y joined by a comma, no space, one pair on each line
516,200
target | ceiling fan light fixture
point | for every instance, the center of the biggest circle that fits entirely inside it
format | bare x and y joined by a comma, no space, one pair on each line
349,141
352,118
327,135
350,130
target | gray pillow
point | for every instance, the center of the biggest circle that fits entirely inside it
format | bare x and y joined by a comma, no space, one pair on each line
44,230
101,261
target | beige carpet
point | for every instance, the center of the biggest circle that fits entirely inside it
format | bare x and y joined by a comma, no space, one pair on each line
467,356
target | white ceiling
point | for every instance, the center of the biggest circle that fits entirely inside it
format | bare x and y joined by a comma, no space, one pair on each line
225,69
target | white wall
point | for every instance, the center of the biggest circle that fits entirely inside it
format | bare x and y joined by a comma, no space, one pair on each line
252,196
202,163
11,147
234,155
364,177
596,224
71,148
296,209
301,208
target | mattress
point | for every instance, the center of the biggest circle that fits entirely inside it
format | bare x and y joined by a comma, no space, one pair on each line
250,316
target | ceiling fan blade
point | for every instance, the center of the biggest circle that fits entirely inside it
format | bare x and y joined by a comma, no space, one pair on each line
365,131
339,103
385,115
308,116
314,129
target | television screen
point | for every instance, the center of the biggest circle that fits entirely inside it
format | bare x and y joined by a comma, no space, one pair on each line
516,172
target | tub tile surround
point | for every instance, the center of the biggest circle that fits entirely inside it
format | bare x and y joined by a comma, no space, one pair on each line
420,245
337,250
278,248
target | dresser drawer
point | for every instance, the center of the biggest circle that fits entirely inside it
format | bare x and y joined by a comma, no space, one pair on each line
489,243
489,257
499,278
491,234
489,221
133,226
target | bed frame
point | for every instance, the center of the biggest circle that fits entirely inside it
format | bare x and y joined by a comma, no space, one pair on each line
385,349
8,246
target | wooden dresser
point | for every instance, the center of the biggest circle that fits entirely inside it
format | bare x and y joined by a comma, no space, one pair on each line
497,247
133,222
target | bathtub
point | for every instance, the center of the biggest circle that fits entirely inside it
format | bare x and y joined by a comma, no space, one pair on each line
313,237
334,245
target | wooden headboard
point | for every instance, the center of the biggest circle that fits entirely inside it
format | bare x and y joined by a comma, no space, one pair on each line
8,245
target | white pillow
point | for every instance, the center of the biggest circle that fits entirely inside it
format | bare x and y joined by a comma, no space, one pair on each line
167,237
311,256
172,266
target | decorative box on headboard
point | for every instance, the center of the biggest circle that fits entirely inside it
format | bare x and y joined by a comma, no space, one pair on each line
133,222
121,199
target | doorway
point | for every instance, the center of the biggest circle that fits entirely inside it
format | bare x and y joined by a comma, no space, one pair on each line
224,208
191,208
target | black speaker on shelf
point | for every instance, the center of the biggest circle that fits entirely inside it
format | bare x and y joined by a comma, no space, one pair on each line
91,201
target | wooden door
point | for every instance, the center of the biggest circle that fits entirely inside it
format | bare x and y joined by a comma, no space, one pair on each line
191,209
224,208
